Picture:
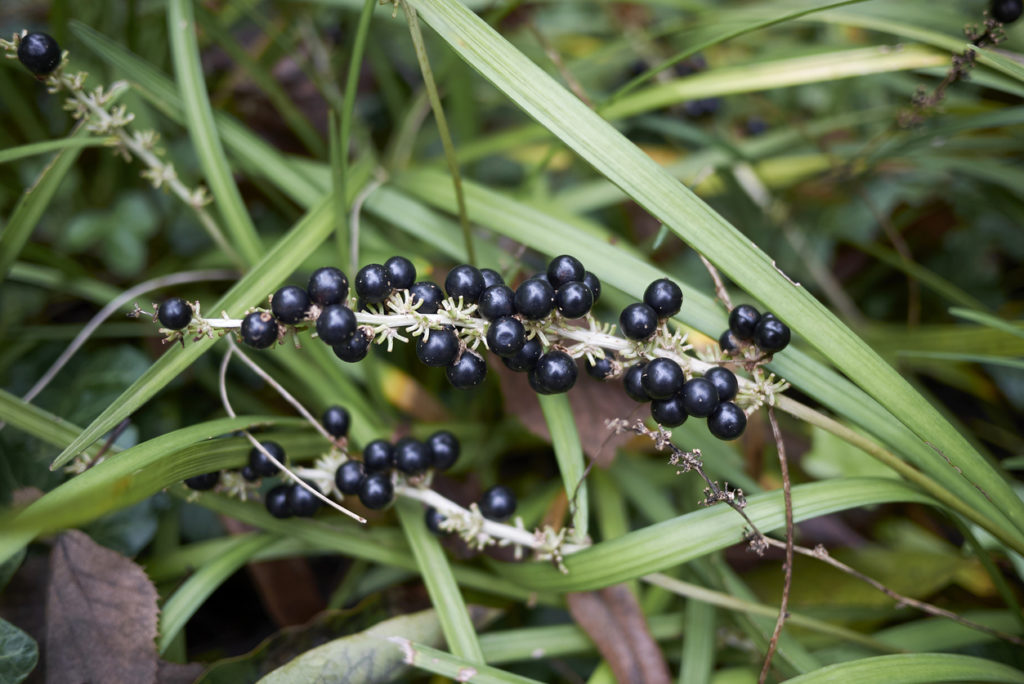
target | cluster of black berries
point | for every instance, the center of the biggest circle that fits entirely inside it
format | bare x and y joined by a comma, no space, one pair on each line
39,53
748,326
497,503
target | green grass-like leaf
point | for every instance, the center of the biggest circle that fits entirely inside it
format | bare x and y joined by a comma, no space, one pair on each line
913,669
33,149
569,453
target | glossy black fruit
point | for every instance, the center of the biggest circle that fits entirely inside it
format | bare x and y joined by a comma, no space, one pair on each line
259,330
633,381
433,520
411,456
376,491
335,324
401,272
526,358
248,474
39,53
600,369
665,297
276,501
263,466
535,298
464,281
727,342
498,503
468,372
727,421
444,449
497,301
555,372
699,397
771,335
491,277
428,294
1005,11
355,347
662,378
439,349
638,321
724,381
669,412
565,269
592,281
327,285
336,420
302,501
373,284
204,482
349,476
290,304
743,320
574,299
378,456
506,336
174,313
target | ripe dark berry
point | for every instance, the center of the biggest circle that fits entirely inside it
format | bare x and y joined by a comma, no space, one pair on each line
669,412
348,478
354,349
276,501
336,420
526,358
491,277
743,320
727,342
468,372
378,456
592,281
428,294
263,466
565,269
464,281
497,301
39,53
638,321
259,330
1005,11
727,421
327,285
444,449
433,520
555,372
439,349
664,297
302,501
771,335
724,381
633,381
506,336
498,503
535,298
600,369
376,491
401,272
290,304
335,324
373,284
248,474
662,378
174,313
574,299
204,482
411,456
699,397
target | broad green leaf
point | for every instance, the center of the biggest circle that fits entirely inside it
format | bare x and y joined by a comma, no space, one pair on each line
913,669
18,653
565,441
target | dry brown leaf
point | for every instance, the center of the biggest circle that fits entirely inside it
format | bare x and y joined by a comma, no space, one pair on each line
613,620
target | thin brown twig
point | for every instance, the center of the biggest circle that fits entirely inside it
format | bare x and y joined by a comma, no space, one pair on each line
788,566
556,59
720,291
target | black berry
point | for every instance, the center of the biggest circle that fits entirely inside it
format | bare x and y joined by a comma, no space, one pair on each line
348,478
464,281
204,482
664,297
433,520
662,378
276,501
376,491
39,53
491,277
259,330
411,456
555,372
699,397
727,421
535,298
373,284
724,381
335,324
727,342
378,456
535,385
1005,11
428,294
262,465
574,299
174,313
506,336
354,349
336,420
401,272
565,269
743,320
302,501
669,412
290,304
497,301
592,281
526,358
638,321
249,474
771,335
600,369
327,285
468,372
444,449
633,381
439,349
498,503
